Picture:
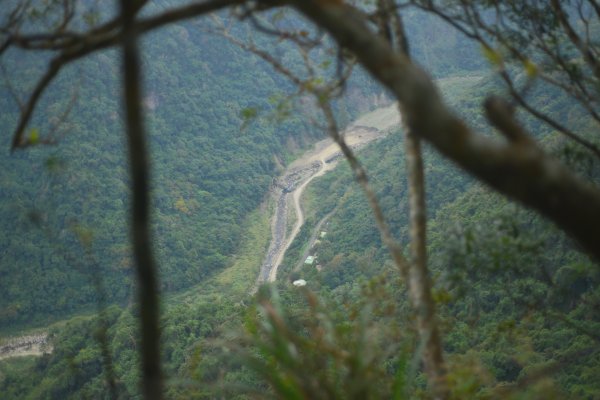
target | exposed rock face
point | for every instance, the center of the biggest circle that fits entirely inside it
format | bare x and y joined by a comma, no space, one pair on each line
30,345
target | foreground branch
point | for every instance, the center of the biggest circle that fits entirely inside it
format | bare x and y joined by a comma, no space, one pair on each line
521,171
140,227
419,281
25,116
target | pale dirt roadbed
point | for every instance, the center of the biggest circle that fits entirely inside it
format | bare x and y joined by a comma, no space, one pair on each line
27,345
320,159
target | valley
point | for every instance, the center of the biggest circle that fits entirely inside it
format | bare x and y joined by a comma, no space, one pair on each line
323,157
286,193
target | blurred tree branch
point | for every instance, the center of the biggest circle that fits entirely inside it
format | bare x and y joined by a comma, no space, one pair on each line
145,265
419,282
521,171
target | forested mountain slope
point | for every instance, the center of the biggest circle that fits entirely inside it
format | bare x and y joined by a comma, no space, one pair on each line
64,207
208,173
513,291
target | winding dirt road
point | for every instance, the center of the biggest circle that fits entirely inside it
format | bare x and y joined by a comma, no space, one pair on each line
321,158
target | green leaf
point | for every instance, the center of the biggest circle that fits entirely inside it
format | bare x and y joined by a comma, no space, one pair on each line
249,113
530,68
493,56
34,136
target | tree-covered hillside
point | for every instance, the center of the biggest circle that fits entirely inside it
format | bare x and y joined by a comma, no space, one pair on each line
514,293
493,293
64,205
212,165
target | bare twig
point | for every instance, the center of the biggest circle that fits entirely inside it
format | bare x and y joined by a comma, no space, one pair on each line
557,69
29,107
585,50
9,86
361,177
90,267
547,119
419,281
552,368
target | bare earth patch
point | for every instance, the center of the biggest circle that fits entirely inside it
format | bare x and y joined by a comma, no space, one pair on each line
28,345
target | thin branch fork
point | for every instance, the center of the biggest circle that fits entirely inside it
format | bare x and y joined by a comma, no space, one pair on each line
331,89
27,112
584,48
98,39
475,29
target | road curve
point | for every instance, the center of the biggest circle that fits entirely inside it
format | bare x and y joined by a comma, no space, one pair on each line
296,194
289,188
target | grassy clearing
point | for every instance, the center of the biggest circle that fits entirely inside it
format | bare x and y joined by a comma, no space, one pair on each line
240,277
291,217
456,87
383,118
